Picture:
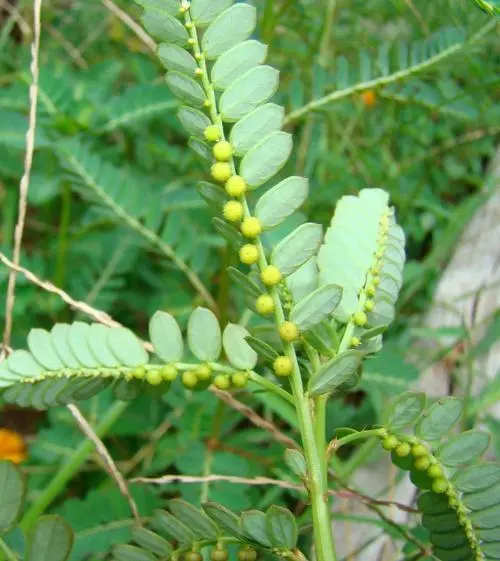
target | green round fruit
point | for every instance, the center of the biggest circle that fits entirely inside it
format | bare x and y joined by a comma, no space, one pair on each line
422,463
169,372
222,382
219,555
154,377
390,442
239,379
435,471
440,485
189,379
403,450
419,450
247,554
193,556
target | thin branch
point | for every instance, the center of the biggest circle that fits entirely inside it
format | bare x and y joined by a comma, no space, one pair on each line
25,180
98,315
109,464
16,17
256,419
72,51
131,24
316,104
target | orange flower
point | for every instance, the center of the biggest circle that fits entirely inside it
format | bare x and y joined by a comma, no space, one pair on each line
12,446
368,98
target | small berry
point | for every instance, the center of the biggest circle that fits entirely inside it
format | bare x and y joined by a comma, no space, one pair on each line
221,171
247,554
223,151
236,186
403,449
270,276
440,485
189,25
283,366
193,556
390,442
198,72
219,555
251,227
360,319
222,382
189,379
191,41
154,377
139,373
249,254
264,304
203,372
373,285
435,471
169,372
239,379
419,450
233,211
368,98
212,133
289,331
369,305
355,342
371,290
422,463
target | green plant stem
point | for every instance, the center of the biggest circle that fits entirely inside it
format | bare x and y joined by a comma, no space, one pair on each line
271,386
323,535
67,471
209,456
361,435
384,80
8,554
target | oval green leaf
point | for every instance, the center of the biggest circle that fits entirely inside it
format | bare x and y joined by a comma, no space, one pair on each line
124,552
41,347
185,88
439,419
281,527
227,69
477,478
164,27
174,57
239,353
151,541
204,12
193,518
12,491
50,538
194,121
126,347
313,309
336,374
97,338
248,92
299,246
233,26
253,524
60,336
463,448
166,336
405,410
204,335
281,201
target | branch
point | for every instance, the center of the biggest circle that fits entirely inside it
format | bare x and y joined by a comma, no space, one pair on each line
109,464
385,80
25,180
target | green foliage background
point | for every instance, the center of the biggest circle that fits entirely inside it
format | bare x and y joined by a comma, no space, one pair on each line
113,197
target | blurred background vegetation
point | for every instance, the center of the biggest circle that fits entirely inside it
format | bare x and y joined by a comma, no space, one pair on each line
114,214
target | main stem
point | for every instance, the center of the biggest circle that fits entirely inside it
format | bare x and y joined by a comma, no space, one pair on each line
315,457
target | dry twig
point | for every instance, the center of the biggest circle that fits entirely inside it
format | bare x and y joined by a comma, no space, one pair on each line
109,464
25,180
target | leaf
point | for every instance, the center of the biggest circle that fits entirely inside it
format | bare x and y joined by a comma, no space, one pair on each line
482,499
194,121
227,68
204,336
126,347
169,6
193,518
223,517
338,374
262,349
477,478
42,349
164,27
174,57
201,148
405,410
23,364
97,338
168,524
204,12
12,491
238,351
487,518
463,448
131,553
248,92
59,335
233,26
214,195
299,246
78,343
281,201
151,541
439,419
231,235
185,88
313,309
245,282
253,524
296,462
281,527
304,280
50,539
166,336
